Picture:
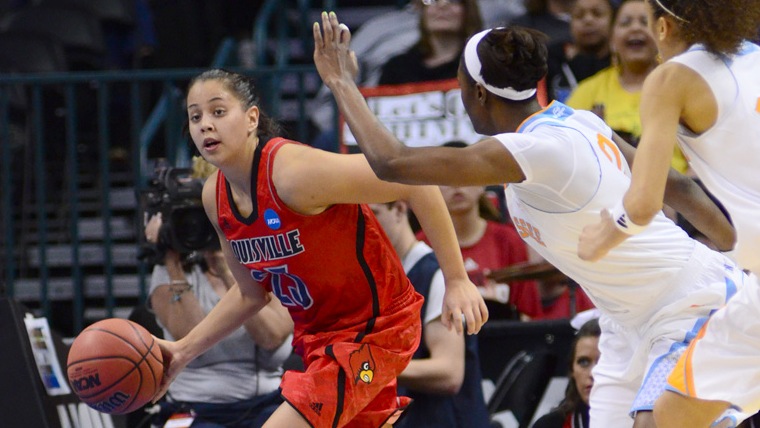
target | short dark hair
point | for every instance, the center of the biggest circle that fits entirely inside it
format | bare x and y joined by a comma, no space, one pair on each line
512,57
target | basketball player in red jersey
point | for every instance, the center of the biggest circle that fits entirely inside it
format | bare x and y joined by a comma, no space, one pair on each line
292,222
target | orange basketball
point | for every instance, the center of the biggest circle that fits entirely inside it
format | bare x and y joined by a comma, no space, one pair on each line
115,366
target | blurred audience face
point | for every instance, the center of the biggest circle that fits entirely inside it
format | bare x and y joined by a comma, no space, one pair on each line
386,216
461,200
590,25
445,16
632,38
585,358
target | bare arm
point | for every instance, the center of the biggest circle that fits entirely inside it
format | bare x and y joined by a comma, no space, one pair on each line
271,325
663,101
486,163
462,297
309,181
443,371
178,316
685,196
241,301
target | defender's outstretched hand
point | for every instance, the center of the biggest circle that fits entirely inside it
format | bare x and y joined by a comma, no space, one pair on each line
334,60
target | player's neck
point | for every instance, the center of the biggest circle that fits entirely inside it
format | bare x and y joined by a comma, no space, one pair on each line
508,118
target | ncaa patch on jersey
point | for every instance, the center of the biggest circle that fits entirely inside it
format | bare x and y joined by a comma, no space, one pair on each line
272,219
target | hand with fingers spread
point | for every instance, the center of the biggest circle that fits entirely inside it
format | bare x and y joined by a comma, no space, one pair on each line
463,304
334,60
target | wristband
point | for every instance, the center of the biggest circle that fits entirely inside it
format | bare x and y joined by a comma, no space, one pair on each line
623,222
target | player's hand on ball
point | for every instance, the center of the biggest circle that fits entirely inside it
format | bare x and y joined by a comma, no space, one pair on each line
115,366
173,364
332,56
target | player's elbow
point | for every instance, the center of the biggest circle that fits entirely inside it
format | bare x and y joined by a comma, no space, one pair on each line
452,379
388,170
453,384
641,210
272,342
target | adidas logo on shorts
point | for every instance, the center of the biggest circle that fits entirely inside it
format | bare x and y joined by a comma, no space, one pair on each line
317,407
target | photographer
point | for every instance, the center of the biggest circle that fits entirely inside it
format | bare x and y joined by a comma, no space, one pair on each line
236,383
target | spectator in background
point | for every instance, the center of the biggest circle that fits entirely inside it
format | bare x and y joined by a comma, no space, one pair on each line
587,53
487,244
551,17
573,410
499,13
444,27
561,297
236,383
614,93
444,377
395,33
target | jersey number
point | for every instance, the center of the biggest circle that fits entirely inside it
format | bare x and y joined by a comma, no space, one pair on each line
289,288
610,150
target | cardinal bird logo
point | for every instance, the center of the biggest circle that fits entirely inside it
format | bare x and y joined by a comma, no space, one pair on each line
362,364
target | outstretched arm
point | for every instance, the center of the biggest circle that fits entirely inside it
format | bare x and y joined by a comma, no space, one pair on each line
690,200
462,299
653,181
485,163
241,301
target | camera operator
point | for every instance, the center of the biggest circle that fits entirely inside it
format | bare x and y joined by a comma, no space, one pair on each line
236,383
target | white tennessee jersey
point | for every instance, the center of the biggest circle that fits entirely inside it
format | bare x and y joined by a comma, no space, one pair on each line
573,170
727,156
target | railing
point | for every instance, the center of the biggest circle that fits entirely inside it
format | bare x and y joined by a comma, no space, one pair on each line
74,152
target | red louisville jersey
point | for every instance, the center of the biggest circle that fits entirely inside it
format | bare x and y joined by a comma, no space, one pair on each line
335,271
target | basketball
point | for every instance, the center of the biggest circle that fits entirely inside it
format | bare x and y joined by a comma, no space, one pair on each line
115,366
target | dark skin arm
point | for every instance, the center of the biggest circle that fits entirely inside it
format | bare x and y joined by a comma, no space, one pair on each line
481,164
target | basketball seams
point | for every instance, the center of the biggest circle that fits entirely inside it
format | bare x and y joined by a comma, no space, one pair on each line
149,351
138,383
124,339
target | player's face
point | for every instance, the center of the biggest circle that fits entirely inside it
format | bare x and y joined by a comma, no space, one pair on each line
632,38
586,356
590,24
217,121
384,216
